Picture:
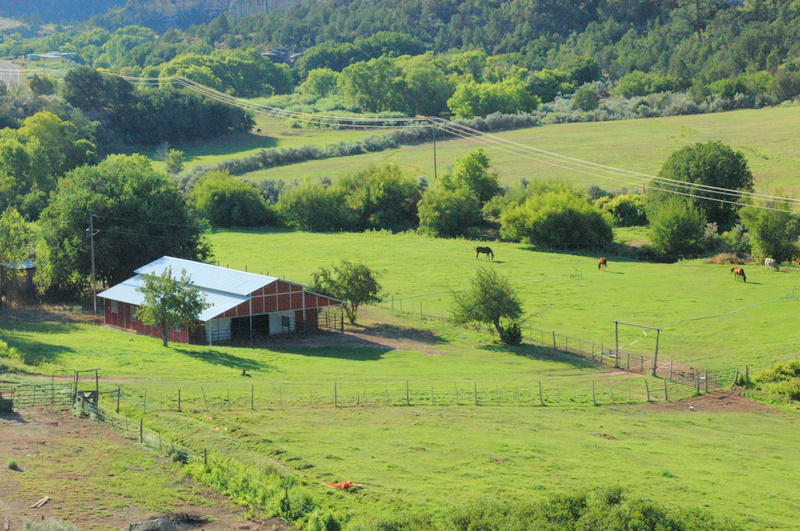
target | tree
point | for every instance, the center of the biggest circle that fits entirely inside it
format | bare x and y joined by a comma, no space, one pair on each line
375,85
773,234
229,202
320,82
41,85
676,228
354,284
472,172
15,245
557,220
447,212
174,161
169,302
586,98
492,300
709,164
140,215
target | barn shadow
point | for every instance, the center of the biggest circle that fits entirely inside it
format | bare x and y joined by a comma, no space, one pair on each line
216,357
542,353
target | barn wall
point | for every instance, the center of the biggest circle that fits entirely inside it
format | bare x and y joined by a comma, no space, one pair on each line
123,315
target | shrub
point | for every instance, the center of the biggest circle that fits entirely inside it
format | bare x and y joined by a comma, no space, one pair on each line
557,220
772,233
586,99
444,212
50,524
229,202
725,259
676,229
626,210
382,198
737,240
315,207
10,352
782,379
12,465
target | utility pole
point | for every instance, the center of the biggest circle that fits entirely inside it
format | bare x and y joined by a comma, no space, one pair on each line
94,275
435,173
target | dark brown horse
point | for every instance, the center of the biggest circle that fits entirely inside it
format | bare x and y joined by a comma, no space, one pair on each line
602,263
484,250
738,272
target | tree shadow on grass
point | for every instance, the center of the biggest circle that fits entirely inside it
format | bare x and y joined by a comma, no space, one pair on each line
344,352
14,416
402,332
216,357
542,353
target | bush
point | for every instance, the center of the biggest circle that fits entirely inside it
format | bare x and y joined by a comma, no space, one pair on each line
772,233
677,229
782,379
50,524
315,207
737,240
557,220
382,198
229,202
444,212
725,259
511,334
12,465
626,210
586,99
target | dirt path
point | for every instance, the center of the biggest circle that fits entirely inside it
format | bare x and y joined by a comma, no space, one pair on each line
717,401
99,480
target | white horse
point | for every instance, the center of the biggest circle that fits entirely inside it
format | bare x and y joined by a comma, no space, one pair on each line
770,263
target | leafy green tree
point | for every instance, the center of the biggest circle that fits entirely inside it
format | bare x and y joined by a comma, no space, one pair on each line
472,172
382,197
428,88
315,207
676,228
229,202
772,233
492,300
355,284
170,302
710,164
375,85
41,85
320,82
140,215
449,212
627,210
549,83
557,220
586,99
15,246
174,161
480,99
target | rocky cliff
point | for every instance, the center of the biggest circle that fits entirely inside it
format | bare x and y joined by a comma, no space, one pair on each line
233,8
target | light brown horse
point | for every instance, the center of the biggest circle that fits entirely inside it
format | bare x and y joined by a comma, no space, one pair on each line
738,272
602,263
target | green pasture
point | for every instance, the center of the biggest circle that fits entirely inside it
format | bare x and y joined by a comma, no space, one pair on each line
709,318
273,133
440,452
768,137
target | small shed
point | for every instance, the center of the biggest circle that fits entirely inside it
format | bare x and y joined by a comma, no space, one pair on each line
241,304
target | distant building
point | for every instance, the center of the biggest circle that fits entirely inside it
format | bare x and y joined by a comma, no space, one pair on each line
241,304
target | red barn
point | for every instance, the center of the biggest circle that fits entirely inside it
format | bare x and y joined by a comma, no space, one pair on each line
240,303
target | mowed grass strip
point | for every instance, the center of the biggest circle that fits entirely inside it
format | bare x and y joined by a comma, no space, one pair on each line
430,459
708,318
768,137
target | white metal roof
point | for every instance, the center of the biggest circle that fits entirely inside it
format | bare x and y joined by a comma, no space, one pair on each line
209,276
219,302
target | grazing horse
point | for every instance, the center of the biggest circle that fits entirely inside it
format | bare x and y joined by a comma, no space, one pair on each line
738,272
770,263
602,263
484,250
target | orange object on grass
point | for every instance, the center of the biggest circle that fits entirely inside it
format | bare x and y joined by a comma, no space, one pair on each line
343,485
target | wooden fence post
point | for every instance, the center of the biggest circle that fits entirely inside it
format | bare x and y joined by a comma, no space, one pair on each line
335,394
475,391
141,430
541,396
706,378
205,456
179,399
666,396
594,400
408,398
554,341
118,393
647,389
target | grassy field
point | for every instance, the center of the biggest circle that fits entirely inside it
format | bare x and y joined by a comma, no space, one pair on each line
429,458
266,134
768,137
709,319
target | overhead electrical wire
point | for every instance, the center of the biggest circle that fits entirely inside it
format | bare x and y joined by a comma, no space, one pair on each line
460,130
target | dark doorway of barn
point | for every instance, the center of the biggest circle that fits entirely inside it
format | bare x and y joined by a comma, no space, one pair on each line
240,329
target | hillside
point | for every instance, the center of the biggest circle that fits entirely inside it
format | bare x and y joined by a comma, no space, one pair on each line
56,10
768,138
